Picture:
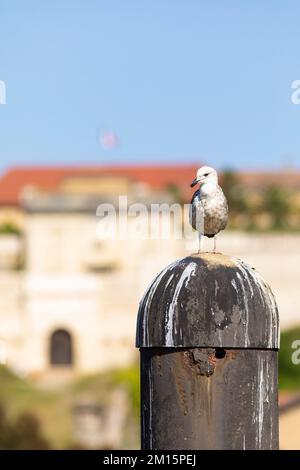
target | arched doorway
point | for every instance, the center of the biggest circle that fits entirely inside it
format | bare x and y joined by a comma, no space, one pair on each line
61,353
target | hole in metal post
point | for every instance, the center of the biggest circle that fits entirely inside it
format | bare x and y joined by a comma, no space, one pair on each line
220,353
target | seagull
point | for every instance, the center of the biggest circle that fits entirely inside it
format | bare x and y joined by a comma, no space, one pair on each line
208,209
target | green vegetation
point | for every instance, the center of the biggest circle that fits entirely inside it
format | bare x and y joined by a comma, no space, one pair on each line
276,203
99,384
264,209
9,229
49,413
289,373
175,192
22,434
234,191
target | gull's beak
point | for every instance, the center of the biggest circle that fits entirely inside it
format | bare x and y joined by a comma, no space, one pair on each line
194,182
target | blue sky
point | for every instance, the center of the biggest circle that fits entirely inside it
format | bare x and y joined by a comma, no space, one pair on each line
177,81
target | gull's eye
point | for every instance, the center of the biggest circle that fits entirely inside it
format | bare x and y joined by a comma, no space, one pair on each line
206,174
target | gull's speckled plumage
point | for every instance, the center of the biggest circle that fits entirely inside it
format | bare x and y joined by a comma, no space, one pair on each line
209,209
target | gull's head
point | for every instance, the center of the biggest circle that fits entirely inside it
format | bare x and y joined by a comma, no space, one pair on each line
205,174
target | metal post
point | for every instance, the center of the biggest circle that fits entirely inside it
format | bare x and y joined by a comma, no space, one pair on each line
208,336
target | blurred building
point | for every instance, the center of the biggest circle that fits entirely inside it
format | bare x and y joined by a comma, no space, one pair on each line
68,301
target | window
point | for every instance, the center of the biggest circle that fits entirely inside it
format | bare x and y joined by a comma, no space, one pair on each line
61,353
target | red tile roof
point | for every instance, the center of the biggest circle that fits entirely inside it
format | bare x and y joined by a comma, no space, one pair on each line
157,177
50,178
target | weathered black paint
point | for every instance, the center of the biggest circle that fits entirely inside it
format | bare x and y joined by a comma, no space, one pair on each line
208,335
234,407
208,300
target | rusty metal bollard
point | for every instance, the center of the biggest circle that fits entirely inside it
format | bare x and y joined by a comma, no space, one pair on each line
208,332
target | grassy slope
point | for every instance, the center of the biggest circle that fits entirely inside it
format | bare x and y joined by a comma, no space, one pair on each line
54,409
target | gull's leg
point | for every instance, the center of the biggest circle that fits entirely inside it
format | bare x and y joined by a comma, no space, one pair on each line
200,242
215,243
